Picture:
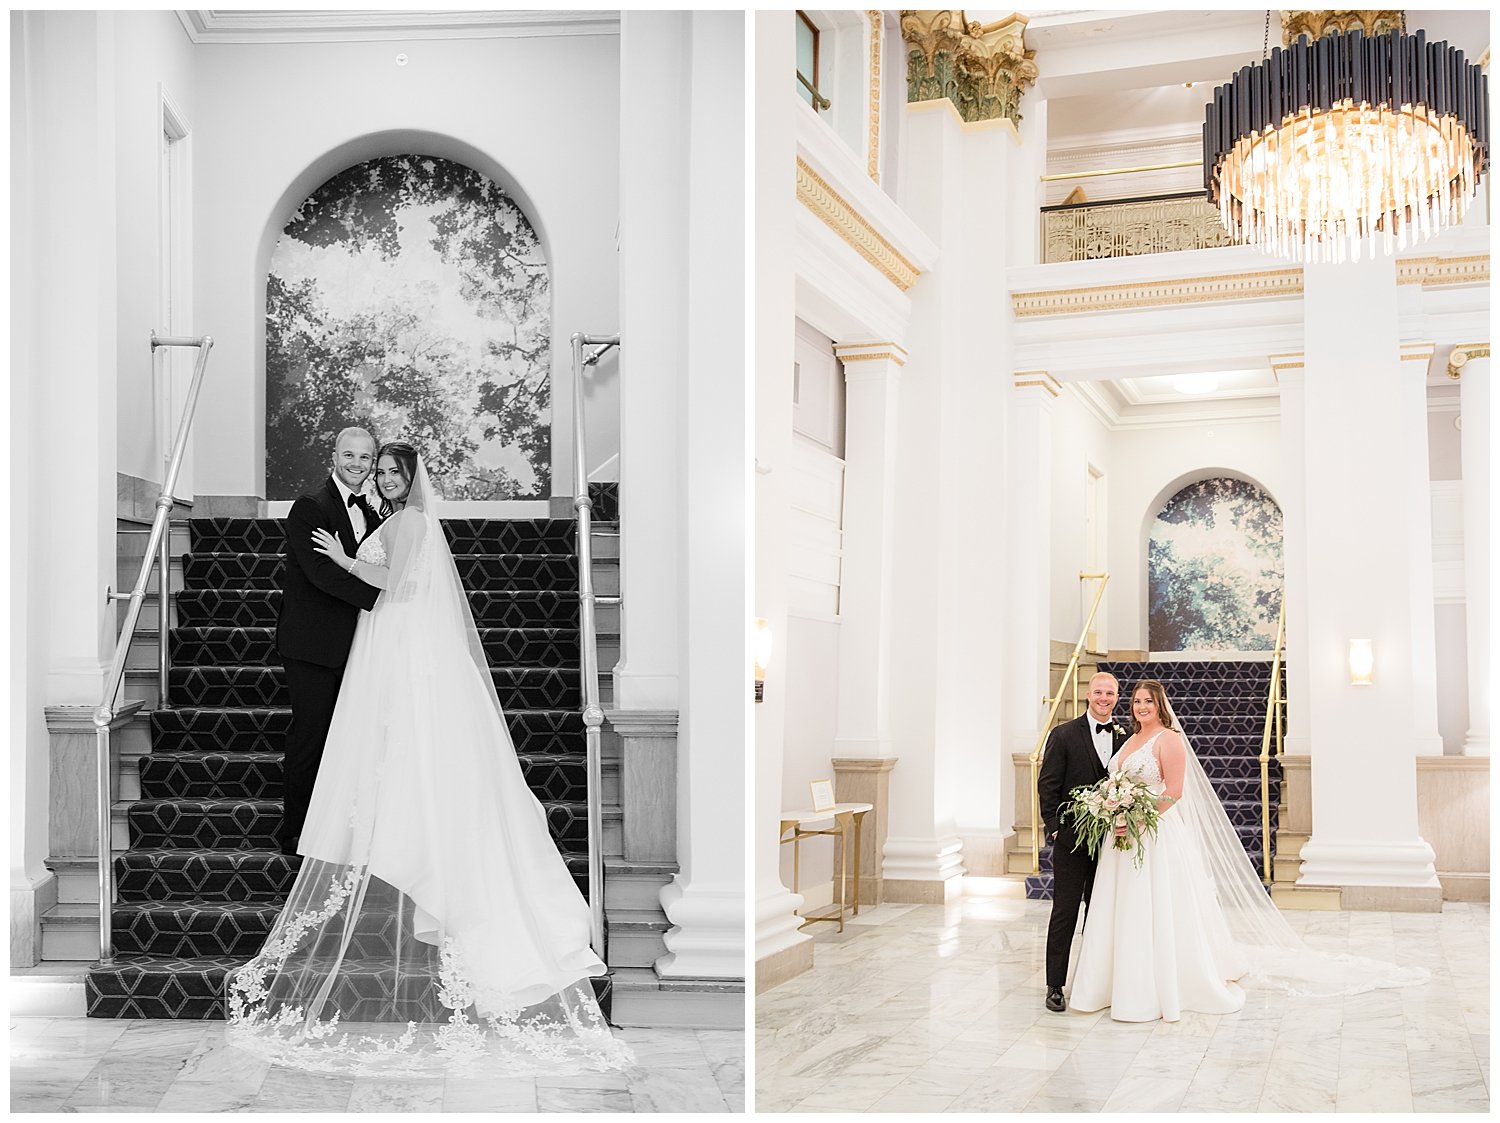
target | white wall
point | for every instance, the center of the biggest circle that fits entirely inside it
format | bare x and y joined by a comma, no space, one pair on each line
1079,440
1443,441
152,54
811,684
273,121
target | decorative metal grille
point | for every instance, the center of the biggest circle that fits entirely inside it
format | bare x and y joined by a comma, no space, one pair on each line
1129,228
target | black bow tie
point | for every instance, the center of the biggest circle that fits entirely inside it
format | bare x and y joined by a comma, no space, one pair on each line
1100,728
361,502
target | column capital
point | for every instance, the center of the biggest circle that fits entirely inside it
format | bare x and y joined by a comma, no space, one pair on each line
1418,352
1287,363
1460,356
880,353
1040,380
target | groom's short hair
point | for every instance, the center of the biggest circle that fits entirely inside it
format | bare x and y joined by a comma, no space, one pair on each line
355,431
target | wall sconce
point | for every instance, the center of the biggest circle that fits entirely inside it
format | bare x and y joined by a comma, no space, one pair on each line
1361,662
762,655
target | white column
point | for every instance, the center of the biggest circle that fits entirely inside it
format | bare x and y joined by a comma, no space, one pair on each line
1415,359
1289,376
781,948
872,373
1474,408
1028,559
653,358
706,899
1363,498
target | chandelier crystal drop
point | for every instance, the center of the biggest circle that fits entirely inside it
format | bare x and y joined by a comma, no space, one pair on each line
1347,145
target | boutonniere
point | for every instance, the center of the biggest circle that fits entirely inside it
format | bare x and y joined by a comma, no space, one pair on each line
1117,729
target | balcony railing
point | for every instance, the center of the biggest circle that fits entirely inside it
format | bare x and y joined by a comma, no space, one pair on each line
1130,227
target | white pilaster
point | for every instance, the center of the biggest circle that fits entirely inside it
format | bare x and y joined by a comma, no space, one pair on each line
1289,377
706,899
1475,405
1363,500
872,373
1415,359
1028,564
653,360
781,948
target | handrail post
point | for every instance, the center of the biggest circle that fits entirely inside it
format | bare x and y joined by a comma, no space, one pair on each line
1036,753
593,713
158,548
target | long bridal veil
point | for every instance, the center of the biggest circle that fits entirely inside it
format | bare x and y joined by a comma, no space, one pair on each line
433,925
1279,959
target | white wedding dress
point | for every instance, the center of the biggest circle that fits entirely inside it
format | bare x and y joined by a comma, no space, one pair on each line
1155,942
433,925
1180,932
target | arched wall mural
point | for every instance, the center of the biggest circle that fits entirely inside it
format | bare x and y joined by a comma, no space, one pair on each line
1214,569
410,295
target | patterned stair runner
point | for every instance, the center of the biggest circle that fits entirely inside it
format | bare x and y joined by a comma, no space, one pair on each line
203,881
1222,704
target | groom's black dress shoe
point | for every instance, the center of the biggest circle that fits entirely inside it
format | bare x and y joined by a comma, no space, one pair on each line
1055,1000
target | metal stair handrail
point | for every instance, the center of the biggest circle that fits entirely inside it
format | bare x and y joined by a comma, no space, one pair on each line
593,713
158,547
1041,743
1274,707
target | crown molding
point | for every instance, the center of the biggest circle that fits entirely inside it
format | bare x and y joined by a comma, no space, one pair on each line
208,25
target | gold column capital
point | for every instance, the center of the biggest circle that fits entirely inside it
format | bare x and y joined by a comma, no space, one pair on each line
1315,25
1460,356
1040,379
871,352
982,68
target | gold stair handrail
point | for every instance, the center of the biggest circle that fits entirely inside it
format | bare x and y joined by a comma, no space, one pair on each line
105,714
1036,753
1274,704
593,713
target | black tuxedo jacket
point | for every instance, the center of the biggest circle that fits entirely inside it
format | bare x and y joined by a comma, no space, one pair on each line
320,600
1069,761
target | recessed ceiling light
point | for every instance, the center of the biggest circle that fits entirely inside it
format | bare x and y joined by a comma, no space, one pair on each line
1196,383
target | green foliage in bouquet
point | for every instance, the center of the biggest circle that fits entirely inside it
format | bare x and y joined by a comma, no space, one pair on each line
1096,810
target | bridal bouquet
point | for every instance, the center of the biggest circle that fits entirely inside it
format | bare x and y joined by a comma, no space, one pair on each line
1115,801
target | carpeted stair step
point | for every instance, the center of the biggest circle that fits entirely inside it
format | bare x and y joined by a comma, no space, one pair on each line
495,571
183,873
237,729
493,608
522,688
251,824
465,536
211,775
194,927
504,647
193,988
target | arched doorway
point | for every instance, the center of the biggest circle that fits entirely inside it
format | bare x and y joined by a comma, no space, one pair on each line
1215,569
410,295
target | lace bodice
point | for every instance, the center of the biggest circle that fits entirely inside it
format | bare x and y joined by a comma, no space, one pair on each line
371,550
1143,765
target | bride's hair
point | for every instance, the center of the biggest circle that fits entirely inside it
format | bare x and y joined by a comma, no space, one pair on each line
406,460
1158,694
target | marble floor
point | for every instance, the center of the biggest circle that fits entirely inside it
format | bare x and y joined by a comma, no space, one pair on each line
81,1064
939,1008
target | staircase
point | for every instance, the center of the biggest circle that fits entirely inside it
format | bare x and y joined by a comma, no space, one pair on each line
1222,705
200,881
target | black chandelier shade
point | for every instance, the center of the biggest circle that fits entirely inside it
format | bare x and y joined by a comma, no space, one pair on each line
1395,70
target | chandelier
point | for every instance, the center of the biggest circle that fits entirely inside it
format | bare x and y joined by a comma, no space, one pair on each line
1347,142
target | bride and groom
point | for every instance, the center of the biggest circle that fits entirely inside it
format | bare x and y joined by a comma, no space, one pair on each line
433,923
1188,924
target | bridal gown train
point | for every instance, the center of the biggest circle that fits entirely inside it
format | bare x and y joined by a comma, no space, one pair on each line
1155,941
433,924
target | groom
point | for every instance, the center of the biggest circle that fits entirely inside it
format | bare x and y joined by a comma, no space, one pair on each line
1078,753
320,603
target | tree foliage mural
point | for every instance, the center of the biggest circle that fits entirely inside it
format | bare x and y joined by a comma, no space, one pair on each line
409,295
1215,571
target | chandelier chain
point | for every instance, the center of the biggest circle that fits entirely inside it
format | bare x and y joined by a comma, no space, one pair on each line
1265,43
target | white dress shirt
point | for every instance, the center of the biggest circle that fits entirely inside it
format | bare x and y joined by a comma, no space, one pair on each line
356,513
1104,742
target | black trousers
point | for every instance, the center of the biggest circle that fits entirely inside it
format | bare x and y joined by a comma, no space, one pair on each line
315,691
1072,885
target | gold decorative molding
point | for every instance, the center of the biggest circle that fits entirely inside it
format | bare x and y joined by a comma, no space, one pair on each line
1315,25
1418,352
870,352
1462,354
983,69
1280,364
1269,285
876,19
815,194
1038,378
1435,272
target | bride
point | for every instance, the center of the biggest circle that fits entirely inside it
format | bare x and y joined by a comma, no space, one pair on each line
433,924
1192,924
